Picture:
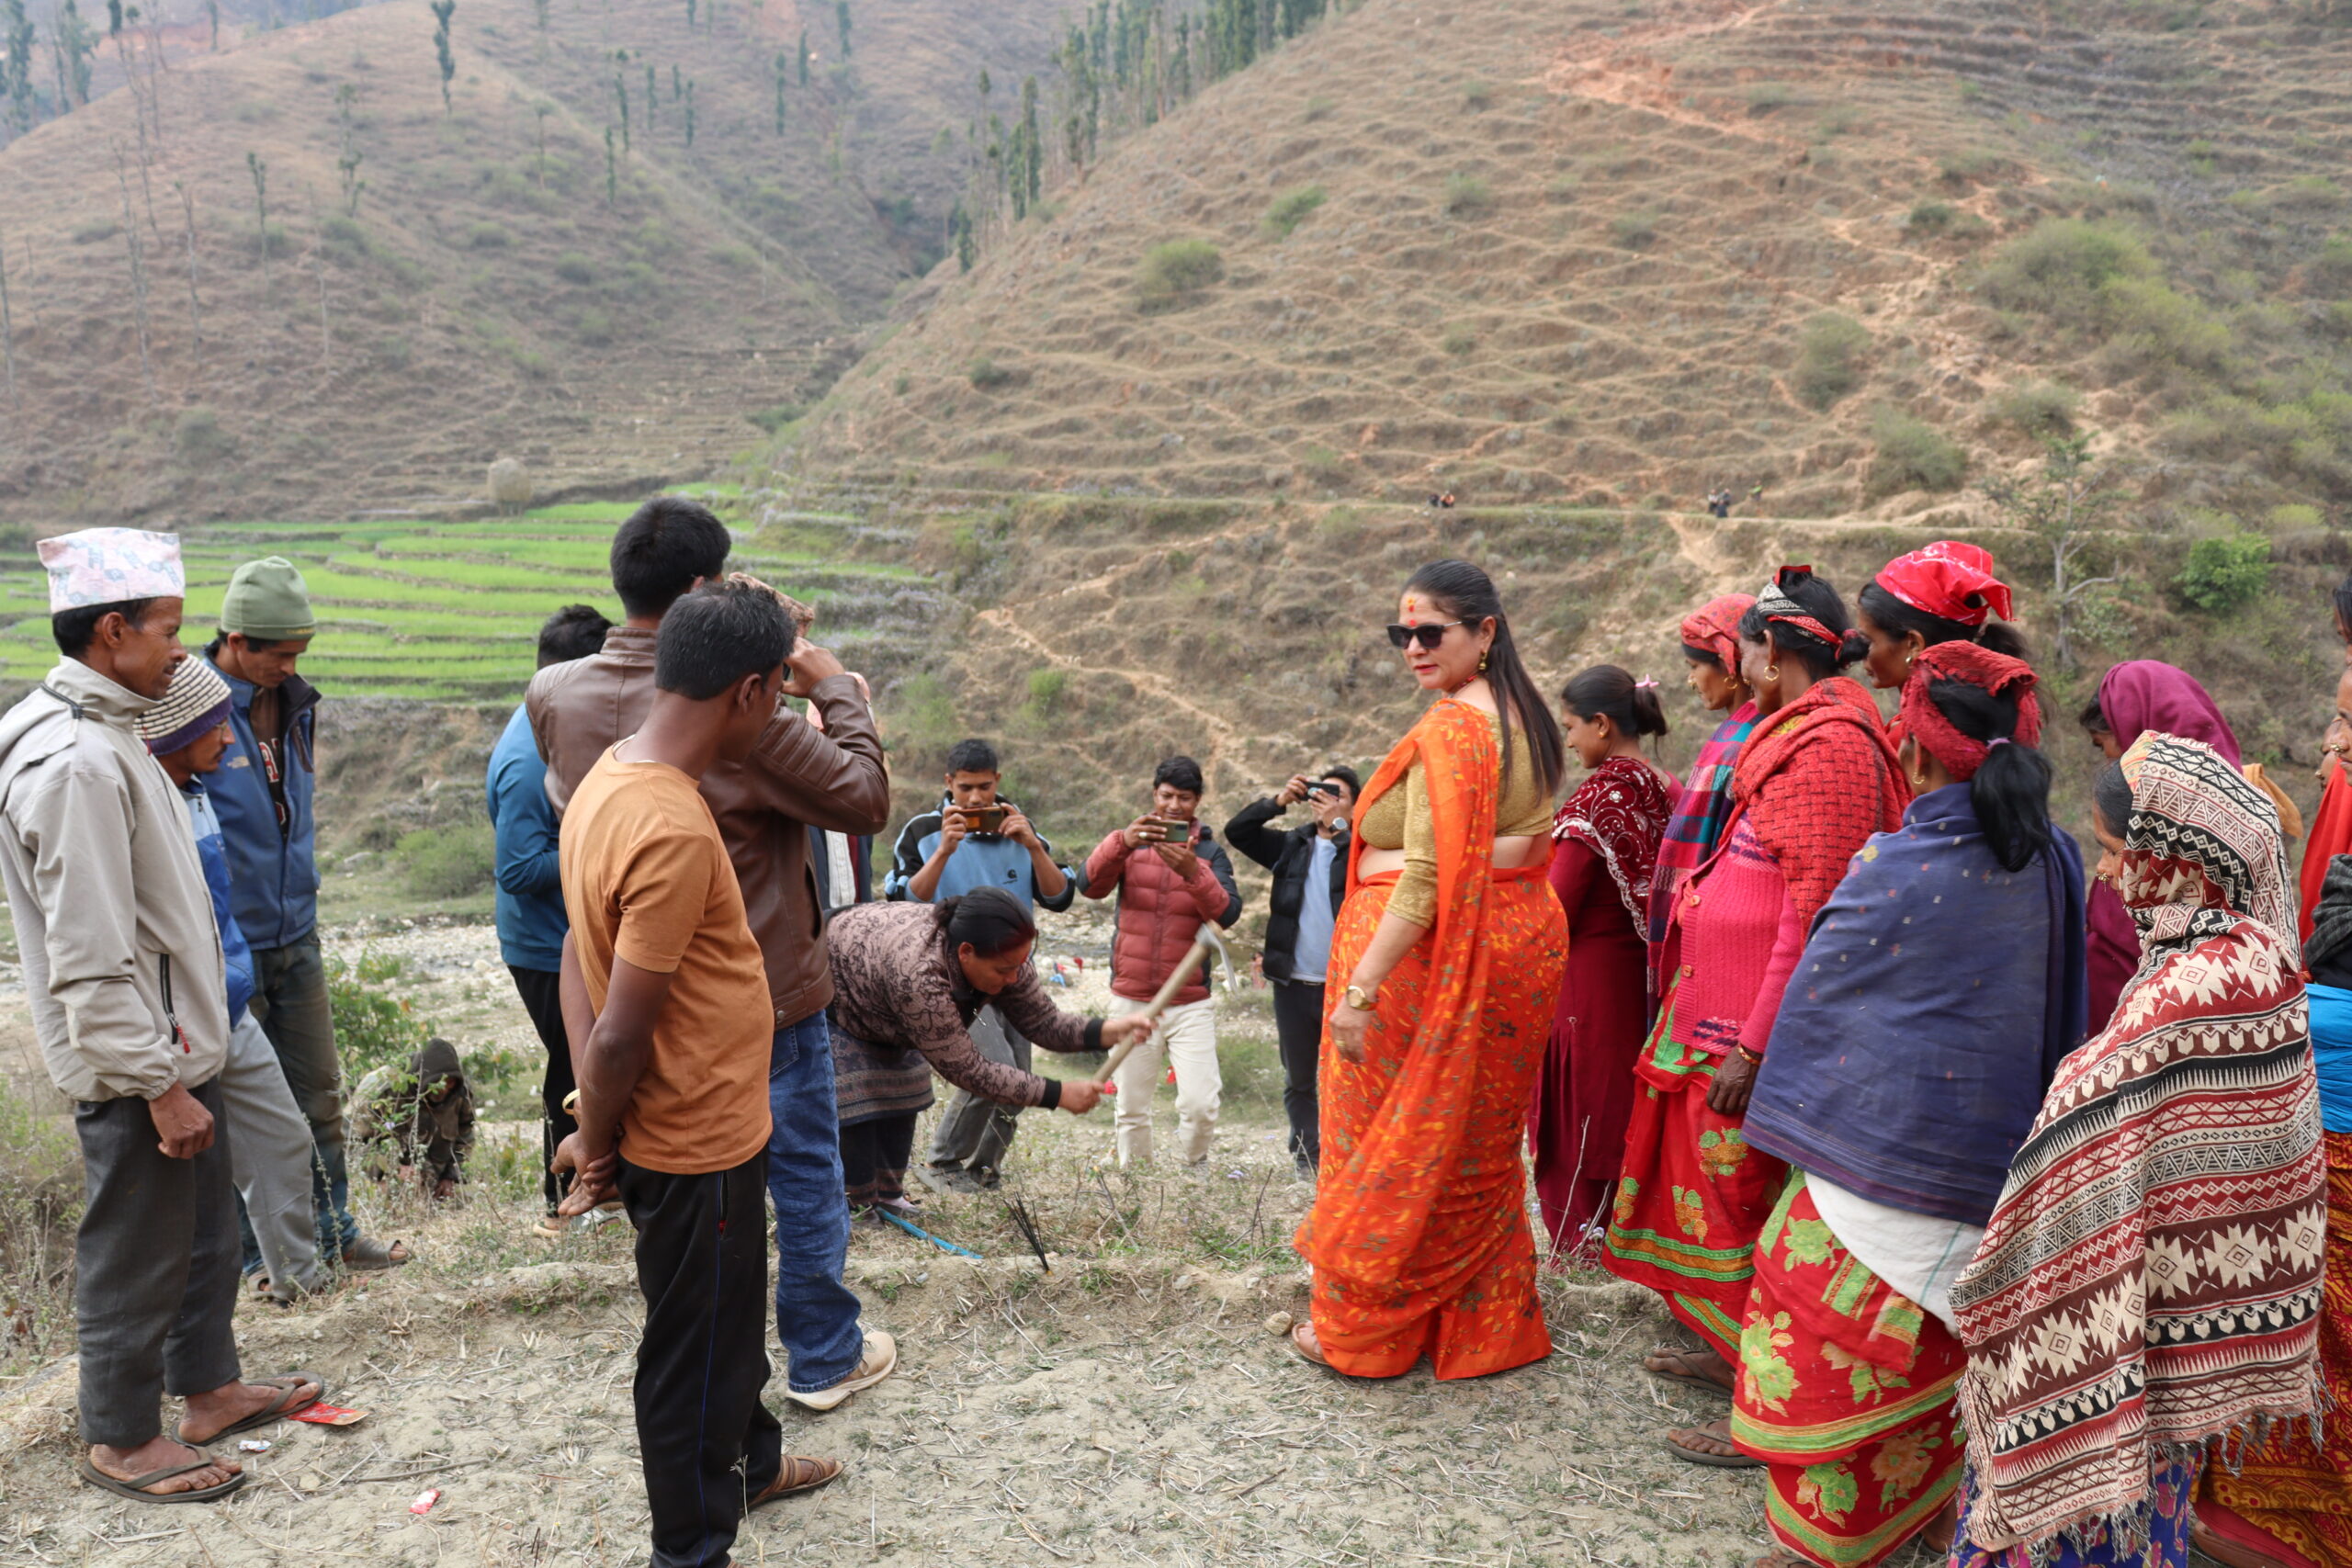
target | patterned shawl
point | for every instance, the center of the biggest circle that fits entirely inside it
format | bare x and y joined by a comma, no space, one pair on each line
1700,813
1814,782
1619,811
2151,1278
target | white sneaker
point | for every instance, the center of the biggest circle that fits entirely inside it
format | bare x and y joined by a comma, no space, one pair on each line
881,1359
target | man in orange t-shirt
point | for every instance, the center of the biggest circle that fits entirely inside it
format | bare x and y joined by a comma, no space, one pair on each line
665,1000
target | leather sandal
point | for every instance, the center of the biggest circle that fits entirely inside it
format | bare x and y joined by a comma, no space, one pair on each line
1721,1432
796,1473
136,1487
1682,1370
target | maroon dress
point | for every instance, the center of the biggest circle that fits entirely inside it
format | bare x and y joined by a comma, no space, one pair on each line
1607,838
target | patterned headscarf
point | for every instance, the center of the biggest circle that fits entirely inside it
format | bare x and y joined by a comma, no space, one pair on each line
2203,846
1950,580
1779,608
1714,627
1923,722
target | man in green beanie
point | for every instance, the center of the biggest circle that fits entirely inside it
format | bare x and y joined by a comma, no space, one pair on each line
263,793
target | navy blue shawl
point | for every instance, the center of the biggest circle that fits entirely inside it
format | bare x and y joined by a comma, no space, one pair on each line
1935,997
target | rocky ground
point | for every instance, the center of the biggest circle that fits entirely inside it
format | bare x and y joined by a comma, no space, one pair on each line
1130,1405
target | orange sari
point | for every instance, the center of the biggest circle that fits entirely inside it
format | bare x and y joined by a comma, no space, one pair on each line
1419,1235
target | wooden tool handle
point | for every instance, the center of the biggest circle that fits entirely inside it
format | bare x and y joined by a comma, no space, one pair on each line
1177,979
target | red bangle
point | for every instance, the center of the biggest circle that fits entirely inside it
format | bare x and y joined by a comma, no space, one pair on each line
1755,1058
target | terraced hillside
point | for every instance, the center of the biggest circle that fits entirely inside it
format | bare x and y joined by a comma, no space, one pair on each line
450,612
1618,254
431,288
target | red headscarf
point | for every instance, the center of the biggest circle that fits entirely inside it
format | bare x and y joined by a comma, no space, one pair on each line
1950,580
1714,627
1924,723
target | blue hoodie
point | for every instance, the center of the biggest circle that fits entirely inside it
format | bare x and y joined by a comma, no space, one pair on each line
239,956
276,884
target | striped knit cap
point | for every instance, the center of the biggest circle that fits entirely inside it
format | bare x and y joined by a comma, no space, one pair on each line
197,700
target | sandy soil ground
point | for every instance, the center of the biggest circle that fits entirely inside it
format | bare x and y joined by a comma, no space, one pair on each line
1132,1404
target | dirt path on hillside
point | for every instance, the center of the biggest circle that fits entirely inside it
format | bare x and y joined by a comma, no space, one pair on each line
1621,69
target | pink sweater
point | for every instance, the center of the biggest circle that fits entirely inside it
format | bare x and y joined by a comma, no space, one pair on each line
1734,940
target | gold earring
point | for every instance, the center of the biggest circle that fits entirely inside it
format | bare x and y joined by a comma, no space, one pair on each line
1482,663
1771,672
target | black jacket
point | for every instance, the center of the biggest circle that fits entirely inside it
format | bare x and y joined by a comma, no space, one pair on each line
1287,852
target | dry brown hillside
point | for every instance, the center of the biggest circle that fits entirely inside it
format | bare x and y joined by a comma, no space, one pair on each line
1619,254
487,293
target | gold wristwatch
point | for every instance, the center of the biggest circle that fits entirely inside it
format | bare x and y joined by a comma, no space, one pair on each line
1355,998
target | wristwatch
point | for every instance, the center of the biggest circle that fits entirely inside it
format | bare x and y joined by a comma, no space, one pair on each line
1355,998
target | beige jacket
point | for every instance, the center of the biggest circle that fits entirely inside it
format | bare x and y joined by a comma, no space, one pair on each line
113,918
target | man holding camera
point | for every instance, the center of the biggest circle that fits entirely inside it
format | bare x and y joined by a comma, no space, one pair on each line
1171,876
1310,866
977,838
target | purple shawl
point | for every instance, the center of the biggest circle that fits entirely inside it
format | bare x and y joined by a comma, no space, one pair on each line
1936,995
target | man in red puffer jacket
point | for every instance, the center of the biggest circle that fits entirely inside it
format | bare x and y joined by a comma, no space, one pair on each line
1171,874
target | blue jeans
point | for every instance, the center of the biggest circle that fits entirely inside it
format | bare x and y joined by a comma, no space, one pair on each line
815,1315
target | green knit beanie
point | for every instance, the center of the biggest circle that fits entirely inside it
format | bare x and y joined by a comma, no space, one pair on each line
267,599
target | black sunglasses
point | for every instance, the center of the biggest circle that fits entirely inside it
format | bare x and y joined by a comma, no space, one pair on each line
1428,634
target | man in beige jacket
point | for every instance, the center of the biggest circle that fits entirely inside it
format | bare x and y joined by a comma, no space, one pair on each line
124,973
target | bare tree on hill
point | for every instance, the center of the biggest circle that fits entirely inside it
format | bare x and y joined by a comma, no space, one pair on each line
138,270
8,327
187,230
259,170
442,10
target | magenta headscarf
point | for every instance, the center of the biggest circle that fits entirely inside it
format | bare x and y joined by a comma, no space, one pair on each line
2141,695
2135,697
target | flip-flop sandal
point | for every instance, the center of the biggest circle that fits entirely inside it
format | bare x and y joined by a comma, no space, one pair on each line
1719,1461
135,1488
797,1474
1688,1380
1306,1349
369,1257
284,1405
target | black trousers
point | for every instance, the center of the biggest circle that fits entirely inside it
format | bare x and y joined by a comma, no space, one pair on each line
1299,1035
542,998
708,1442
874,1157
156,1266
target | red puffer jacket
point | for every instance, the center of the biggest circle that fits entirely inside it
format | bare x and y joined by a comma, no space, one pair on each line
1159,912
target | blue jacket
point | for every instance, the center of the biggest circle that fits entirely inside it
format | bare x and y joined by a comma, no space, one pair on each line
530,887
273,864
992,862
237,955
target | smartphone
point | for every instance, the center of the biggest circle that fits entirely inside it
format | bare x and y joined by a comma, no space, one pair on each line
1320,788
984,822
1166,829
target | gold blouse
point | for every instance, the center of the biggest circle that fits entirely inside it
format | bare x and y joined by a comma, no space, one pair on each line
1399,819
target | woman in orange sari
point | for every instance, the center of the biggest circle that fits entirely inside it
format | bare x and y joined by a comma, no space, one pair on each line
1451,948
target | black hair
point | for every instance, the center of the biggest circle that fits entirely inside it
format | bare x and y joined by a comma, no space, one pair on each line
573,632
2111,799
2344,605
1346,775
991,919
1899,617
717,634
1180,772
2010,791
2094,718
663,547
76,628
253,643
1816,598
1606,691
1705,655
972,757
1470,595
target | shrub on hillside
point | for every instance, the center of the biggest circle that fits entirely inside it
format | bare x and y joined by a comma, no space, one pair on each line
1913,455
593,327
1634,230
1290,209
1320,107
1176,271
198,440
90,234
2043,407
574,267
773,420
986,374
2062,268
345,235
1458,341
1828,358
488,237
1767,98
2225,572
372,1029
2331,270
447,863
1467,196
1970,163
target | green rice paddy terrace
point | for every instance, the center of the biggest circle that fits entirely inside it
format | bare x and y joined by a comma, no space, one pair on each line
449,611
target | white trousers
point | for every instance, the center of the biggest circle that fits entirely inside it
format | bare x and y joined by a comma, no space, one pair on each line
1186,1037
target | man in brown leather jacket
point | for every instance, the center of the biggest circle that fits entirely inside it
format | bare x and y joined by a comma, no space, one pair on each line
796,778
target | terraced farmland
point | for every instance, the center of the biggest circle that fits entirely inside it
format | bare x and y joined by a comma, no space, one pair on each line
449,611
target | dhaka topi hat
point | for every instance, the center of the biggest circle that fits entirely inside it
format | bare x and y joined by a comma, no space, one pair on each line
194,704
267,599
111,566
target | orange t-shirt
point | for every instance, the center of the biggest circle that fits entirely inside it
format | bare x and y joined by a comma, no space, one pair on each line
646,877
